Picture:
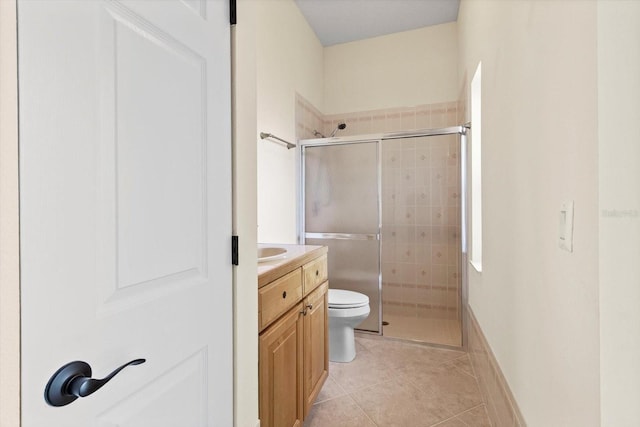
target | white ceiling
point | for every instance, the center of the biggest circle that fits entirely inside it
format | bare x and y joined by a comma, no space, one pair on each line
341,21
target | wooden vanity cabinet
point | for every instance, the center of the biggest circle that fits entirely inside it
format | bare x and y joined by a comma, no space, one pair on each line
316,347
293,343
281,380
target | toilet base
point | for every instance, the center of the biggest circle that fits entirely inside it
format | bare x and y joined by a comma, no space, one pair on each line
342,342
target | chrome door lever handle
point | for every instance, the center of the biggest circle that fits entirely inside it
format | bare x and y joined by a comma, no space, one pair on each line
74,380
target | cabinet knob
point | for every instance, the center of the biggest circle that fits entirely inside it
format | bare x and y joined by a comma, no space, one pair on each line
308,306
284,294
317,273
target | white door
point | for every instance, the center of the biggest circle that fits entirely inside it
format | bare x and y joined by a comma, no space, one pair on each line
125,170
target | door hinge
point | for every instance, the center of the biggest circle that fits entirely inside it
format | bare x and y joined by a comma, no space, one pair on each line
232,12
234,250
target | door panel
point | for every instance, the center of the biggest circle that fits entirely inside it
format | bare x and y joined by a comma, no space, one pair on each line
140,408
161,214
126,209
156,235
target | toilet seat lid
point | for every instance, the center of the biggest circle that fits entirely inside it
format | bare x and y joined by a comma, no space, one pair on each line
340,298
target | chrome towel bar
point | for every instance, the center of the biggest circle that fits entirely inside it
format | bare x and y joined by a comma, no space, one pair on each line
288,144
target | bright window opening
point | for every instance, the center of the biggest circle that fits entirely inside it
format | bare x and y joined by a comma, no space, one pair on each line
476,170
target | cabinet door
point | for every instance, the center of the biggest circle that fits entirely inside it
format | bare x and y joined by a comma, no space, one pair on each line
316,344
281,399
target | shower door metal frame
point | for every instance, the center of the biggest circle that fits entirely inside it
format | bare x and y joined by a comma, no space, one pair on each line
461,130
302,234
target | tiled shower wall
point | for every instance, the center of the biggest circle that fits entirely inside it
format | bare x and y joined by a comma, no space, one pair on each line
420,202
421,227
309,118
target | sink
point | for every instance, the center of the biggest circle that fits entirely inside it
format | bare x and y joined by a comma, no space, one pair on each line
270,253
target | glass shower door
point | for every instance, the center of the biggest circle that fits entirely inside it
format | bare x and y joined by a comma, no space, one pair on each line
421,239
342,211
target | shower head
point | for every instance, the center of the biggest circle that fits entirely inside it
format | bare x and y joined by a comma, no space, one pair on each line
340,126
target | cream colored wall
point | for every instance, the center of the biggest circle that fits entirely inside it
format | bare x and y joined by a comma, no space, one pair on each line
537,304
245,294
289,60
619,226
9,227
397,70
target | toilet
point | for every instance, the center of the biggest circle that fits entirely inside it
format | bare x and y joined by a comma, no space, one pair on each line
347,309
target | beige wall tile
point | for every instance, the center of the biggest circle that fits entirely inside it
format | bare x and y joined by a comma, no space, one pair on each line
408,119
378,123
501,407
452,119
394,121
423,117
438,115
365,123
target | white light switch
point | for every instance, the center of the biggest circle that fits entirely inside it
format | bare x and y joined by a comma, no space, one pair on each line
565,233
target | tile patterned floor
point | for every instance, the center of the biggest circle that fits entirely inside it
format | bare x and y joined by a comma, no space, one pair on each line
398,384
425,329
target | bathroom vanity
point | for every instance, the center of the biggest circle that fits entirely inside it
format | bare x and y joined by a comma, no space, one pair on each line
293,333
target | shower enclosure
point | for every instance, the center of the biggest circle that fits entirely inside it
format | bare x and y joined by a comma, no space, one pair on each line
391,209
342,211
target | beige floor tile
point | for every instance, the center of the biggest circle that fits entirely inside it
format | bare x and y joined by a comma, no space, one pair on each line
330,390
426,329
397,404
464,364
395,383
502,406
476,417
454,390
365,370
366,342
453,422
400,355
341,412
360,348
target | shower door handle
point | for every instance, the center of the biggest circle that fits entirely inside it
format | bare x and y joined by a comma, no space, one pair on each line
342,236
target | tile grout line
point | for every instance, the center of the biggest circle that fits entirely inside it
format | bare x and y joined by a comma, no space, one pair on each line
484,401
457,415
382,382
471,409
365,386
330,399
465,372
344,392
417,386
429,348
362,409
379,356
446,420
426,395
